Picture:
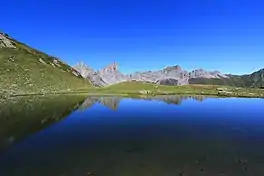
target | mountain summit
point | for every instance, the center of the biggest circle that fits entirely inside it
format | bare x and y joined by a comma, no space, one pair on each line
109,69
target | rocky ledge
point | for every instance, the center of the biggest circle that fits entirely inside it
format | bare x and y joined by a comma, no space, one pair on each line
5,42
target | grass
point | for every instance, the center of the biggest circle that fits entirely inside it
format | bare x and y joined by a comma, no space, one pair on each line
195,89
135,89
22,73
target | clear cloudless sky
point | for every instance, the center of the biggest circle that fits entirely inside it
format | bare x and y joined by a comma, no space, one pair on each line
224,35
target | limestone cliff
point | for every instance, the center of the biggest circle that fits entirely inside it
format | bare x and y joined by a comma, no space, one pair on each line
172,75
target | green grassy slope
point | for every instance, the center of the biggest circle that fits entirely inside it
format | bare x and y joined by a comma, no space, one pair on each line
254,80
195,89
237,81
135,87
25,70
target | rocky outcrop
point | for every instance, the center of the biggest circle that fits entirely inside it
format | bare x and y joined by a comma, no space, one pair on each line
75,72
110,75
112,68
201,73
169,81
106,76
174,75
5,42
89,74
83,69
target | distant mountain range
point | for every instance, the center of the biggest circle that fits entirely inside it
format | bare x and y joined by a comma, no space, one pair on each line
24,70
173,75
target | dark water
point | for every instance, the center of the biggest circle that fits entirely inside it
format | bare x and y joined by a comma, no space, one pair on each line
163,136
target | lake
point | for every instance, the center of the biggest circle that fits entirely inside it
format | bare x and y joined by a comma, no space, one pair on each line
147,136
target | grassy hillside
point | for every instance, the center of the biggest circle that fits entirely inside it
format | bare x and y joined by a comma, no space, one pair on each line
254,80
236,81
25,70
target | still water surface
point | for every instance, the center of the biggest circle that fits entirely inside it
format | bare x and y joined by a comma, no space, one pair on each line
160,136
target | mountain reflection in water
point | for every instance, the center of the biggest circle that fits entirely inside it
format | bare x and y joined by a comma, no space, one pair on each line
22,116
113,102
144,136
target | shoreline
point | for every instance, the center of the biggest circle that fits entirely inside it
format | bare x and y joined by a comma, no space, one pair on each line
129,94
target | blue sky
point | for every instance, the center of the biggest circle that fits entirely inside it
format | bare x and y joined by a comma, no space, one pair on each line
224,35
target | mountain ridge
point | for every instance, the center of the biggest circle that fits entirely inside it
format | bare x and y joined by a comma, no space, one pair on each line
176,75
26,70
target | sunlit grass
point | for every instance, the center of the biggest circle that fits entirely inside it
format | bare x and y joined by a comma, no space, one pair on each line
22,73
196,89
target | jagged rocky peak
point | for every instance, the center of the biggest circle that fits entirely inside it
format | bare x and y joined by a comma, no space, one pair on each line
219,74
176,67
82,64
110,68
5,42
215,72
111,75
171,75
83,69
201,73
90,74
